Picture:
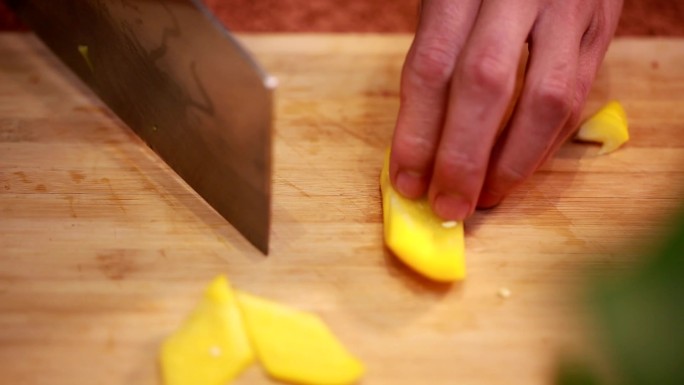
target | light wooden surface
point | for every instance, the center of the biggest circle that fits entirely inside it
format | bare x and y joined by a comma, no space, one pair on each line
103,250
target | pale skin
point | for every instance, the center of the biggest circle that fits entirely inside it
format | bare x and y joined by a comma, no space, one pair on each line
458,82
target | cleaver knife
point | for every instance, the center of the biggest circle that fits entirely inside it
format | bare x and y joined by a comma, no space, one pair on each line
177,78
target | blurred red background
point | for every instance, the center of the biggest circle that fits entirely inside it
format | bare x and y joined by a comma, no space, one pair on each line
640,17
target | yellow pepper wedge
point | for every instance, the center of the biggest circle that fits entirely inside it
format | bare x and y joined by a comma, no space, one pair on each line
295,346
211,347
417,236
608,126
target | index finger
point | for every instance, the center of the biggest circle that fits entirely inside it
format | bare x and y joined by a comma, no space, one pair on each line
443,29
481,89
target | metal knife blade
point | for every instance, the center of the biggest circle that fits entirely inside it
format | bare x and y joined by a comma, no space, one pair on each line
173,74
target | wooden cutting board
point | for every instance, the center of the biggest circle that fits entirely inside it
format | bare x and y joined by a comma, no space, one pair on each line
103,250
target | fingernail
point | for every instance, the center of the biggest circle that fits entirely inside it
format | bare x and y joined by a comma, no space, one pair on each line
449,207
410,184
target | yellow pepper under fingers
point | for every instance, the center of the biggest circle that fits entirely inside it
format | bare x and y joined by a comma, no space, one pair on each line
608,127
418,237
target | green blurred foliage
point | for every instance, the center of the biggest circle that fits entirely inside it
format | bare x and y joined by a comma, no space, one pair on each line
640,320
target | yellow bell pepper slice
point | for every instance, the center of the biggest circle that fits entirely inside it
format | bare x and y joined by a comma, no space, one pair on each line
608,126
211,347
417,236
297,347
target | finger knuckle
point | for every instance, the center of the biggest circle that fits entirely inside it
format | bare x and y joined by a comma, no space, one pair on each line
460,164
413,151
555,93
431,64
485,70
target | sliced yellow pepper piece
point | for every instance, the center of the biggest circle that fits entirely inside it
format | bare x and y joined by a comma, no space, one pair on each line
295,346
417,236
211,347
608,126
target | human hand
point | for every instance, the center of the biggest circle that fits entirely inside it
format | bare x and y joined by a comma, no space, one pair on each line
458,81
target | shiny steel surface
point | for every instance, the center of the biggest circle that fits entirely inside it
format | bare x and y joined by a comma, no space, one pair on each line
183,84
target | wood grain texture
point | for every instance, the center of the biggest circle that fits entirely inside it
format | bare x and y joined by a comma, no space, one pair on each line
103,250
